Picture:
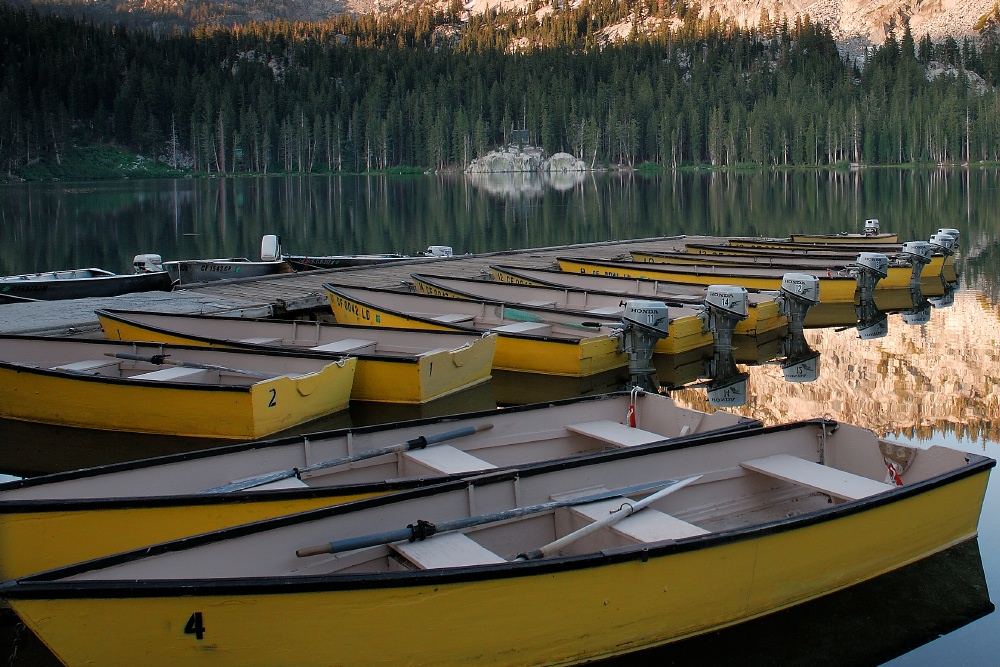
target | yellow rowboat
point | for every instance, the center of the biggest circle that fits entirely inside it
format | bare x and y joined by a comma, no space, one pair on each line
763,312
560,563
834,239
790,260
55,520
394,365
688,326
833,285
530,340
173,390
900,273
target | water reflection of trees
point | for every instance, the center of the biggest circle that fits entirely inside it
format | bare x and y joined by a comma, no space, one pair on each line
942,377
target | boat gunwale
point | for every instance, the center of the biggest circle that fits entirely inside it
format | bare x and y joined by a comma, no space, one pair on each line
684,270
44,584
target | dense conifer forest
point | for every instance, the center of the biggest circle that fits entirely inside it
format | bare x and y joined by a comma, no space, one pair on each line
427,90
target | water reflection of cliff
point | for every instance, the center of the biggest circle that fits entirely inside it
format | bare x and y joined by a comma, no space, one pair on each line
526,184
938,377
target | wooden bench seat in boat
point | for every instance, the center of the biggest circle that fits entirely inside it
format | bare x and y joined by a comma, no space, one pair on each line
447,460
646,525
833,482
91,367
347,345
177,374
452,318
607,310
446,550
614,433
534,328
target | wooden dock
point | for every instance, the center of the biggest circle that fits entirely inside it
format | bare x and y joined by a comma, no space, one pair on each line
293,294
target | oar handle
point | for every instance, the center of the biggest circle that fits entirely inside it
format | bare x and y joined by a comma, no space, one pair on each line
156,359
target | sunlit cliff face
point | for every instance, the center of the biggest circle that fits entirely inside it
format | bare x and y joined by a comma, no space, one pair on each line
937,377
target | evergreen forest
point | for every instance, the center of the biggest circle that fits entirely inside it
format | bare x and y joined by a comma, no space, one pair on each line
433,91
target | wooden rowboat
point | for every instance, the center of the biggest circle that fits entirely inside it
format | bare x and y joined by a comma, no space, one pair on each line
174,390
559,563
688,325
394,365
530,340
845,237
59,519
80,284
834,285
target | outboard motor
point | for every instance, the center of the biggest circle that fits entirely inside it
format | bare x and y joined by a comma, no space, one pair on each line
727,306
919,254
148,263
871,227
943,243
799,293
950,231
872,267
727,386
270,248
643,324
439,251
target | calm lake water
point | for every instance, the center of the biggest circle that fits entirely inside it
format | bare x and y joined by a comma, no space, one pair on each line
932,382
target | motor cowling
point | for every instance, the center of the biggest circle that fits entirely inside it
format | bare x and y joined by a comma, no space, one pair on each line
950,231
147,263
270,248
644,322
439,251
799,293
944,243
872,227
729,300
651,317
918,251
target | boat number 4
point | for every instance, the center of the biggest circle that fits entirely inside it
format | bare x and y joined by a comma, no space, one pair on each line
195,626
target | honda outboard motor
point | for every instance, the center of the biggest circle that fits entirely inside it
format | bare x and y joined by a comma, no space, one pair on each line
148,263
950,231
643,324
270,248
943,243
919,254
872,267
871,227
799,293
801,362
439,251
727,306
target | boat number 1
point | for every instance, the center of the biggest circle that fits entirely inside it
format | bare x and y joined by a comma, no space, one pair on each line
274,396
195,626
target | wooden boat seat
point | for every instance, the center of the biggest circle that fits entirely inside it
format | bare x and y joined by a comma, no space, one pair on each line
646,525
261,341
178,374
91,367
447,460
534,328
347,345
446,550
615,434
833,482
452,318
607,310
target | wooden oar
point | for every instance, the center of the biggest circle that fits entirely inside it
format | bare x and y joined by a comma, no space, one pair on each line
416,443
162,360
627,509
424,529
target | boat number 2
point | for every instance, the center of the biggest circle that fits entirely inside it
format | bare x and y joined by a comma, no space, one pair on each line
274,396
195,626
